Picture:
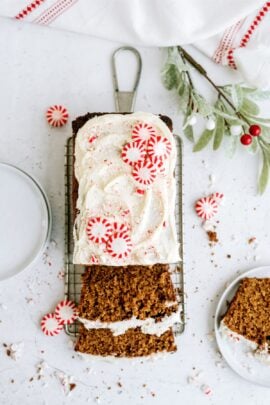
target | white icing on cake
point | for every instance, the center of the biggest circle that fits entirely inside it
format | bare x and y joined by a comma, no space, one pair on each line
259,352
107,189
148,326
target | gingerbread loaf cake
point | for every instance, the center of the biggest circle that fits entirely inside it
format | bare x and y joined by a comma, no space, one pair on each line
125,233
248,315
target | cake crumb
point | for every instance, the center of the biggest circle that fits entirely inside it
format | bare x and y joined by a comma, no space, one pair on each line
212,236
251,240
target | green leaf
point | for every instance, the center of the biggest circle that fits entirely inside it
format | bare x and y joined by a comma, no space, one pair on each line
264,175
249,107
232,119
237,96
219,132
258,120
171,77
233,142
254,145
261,95
203,141
188,131
203,107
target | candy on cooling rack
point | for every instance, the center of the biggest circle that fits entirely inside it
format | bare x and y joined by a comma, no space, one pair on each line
144,172
158,148
51,326
66,312
98,229
206,207
57,115
218,197
133,152
142,131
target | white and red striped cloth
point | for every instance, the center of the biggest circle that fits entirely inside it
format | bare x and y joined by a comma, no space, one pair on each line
231,32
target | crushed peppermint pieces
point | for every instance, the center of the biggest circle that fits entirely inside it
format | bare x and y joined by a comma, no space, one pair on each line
57,116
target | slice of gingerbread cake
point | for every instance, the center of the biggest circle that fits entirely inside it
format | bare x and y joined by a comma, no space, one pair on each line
125,233
248,316
131,310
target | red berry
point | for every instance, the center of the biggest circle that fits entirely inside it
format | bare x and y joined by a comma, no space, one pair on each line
246,139
255,130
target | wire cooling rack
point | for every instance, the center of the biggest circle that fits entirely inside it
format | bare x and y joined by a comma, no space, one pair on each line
74,272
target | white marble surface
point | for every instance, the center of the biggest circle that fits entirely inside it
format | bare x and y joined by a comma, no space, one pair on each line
40,67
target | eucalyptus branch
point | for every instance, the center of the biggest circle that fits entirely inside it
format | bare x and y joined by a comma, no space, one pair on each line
185,55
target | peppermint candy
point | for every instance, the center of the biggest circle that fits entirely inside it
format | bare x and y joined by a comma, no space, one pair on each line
66,312
50,325
142,132
144,172
98,229
159,148
133,152
94,259
218,197
57,115
206,207
119,245
117,227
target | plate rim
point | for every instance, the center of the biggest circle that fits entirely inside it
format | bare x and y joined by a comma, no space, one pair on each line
49,217
216,321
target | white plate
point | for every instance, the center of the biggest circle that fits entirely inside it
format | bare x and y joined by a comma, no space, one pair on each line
235,353
25,220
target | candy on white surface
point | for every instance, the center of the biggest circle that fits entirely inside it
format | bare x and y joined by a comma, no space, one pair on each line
66,312
57,115
218,197
206,207
51,326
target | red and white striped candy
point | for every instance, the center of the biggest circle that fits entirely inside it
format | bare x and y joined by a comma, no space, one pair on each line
94,259
144,172
50,325
98,229
206,207
119,245
217,197
57,115
159,148
66,312
142,132
133,152
120,227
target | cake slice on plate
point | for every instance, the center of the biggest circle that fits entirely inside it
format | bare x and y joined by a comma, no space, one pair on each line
248,316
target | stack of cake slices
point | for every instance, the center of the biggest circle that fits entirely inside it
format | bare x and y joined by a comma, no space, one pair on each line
125,233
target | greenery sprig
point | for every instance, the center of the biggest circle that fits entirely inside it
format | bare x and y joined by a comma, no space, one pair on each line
234,115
